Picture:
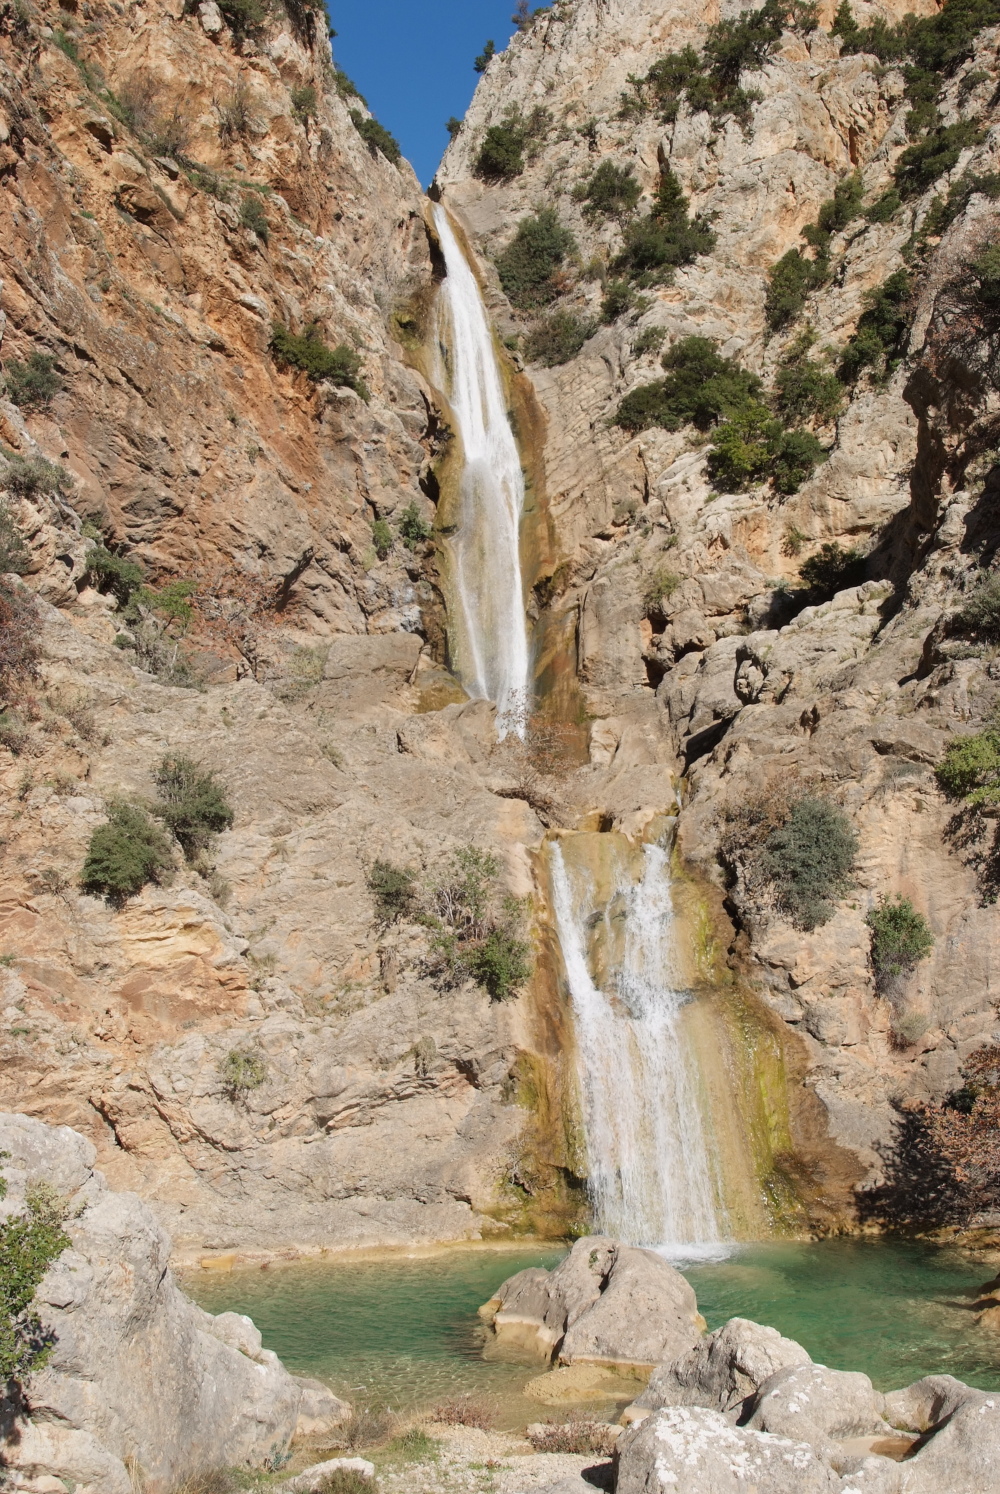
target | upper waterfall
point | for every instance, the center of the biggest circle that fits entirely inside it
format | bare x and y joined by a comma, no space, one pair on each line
490,634
651,1177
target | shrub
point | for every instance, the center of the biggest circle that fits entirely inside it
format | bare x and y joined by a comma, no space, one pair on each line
501,963
382,538
610,192
304,101
882,332
832,569
345,1481
125,853
789,283
501,155
971,768
943,212
244,17
14,553
30,1240
191,803
307,351
701,388
619,297
557,339
804,389
530,260
659,589
413,527
810,859
32,477
884,208
466,1410
453,126
650,340
666,238
236,117
253,216
670,77
393,889
981,613
752,446
242,1070
377,137
843,207
32,385
482,62
19,630
920,165
113,574
14,735
794,459
575,1437
901,938
345,88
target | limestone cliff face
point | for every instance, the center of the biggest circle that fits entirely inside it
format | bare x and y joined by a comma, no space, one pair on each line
855,697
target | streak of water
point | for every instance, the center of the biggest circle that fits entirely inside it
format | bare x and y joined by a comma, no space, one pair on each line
490,642
650,1176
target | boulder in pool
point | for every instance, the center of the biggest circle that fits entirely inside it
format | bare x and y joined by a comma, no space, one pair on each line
606,1303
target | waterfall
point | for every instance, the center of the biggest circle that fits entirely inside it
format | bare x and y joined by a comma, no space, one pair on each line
490,635
650,1174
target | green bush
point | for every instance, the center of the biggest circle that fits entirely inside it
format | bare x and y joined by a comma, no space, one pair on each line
32,385
981,613
245,18
14,553
500,963
382,538
30,1240
650,340
610,192
804,389
113,574
376,137
832,569
670,77
789,283
253,216
810,859
794,459
618,298
304,102
700,389
482,62
307,351
666,238
882,332
659,589
345,88
971,768
901,938
191,803
752,447
557,339
943,211
501,155
242,1070
393,889
920,165
20,627
413,527
530,260
32,477
843,207
127,851
884,208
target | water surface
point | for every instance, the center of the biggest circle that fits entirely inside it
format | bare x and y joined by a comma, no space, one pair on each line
403,1330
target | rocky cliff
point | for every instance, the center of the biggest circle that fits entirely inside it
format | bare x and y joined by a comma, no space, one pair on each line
225,278
692,625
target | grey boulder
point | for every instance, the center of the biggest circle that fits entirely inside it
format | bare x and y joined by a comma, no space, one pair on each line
692,1450
820,1406
722,1372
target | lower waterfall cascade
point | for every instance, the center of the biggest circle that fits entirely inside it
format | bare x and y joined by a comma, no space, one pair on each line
651,1174
489,631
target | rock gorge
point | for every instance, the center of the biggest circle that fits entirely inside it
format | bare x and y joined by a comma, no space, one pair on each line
172,187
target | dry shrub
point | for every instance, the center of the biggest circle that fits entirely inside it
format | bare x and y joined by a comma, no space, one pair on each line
19,629
233,609
575,1437
532,766
367,1426
237,120
466,1411
747,823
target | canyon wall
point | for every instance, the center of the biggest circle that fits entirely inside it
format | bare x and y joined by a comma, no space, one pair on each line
172,186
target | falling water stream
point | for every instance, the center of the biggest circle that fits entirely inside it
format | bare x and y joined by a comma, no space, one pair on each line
490,633
651,1176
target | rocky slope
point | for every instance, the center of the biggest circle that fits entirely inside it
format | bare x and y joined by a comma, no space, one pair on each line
855,697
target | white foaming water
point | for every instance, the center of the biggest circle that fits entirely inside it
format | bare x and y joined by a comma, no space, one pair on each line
491,646
650,1176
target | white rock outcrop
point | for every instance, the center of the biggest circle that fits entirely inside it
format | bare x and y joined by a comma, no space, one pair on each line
139,1378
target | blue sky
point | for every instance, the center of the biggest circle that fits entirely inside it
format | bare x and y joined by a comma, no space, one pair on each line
412,60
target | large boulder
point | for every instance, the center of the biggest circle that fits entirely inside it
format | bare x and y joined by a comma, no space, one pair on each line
723,1372
606,1303
819,1405
691,1450
139,1375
